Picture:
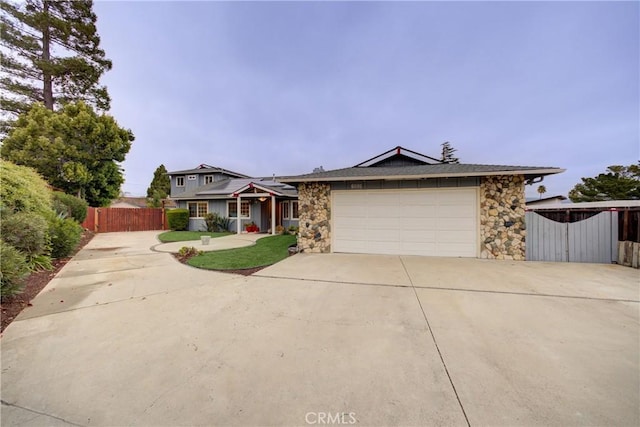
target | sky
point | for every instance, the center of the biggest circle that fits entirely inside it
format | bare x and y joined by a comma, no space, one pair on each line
265,88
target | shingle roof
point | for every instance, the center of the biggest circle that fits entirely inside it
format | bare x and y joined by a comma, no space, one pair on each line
207,169
222,189
421,171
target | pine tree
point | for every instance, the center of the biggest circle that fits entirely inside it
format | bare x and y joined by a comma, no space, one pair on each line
618,183
74,149
447,153
51,54
160,186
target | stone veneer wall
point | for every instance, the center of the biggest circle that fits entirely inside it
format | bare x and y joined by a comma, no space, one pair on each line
502,209
314,213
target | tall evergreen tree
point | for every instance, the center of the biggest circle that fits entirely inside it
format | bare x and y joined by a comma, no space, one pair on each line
51,55
74,149
447,153
618,183
160,186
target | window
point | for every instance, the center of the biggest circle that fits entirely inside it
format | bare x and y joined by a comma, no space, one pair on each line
191,177
179,181
245,209
290,210
198,209
208,179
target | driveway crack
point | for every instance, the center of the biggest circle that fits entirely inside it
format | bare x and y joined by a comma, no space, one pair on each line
36,413
435,342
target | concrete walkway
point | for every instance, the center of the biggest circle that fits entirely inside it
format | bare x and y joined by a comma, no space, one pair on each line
127,336
231,241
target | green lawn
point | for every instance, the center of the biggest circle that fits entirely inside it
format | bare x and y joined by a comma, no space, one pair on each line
266,251
183,236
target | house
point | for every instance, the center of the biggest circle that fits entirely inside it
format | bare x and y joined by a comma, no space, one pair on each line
129,202
553,200
207,189
402,202
138,202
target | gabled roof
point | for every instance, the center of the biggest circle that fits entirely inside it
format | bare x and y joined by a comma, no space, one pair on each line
227,188
399,152
206,169
277,189
138,202
536,200
421,167
443,170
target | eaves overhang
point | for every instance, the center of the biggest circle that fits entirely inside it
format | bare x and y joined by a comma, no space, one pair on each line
528,174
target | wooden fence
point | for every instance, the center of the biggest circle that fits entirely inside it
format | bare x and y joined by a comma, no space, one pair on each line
629,254
107,220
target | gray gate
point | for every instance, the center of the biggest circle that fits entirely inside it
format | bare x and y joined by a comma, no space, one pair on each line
591,240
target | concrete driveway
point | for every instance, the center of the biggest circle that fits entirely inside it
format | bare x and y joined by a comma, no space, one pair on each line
126,336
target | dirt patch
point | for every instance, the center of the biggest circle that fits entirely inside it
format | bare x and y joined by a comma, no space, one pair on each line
243,271
13,305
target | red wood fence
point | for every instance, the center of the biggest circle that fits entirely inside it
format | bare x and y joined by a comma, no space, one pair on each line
106,220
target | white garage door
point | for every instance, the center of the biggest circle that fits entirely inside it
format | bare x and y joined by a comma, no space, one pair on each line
433,222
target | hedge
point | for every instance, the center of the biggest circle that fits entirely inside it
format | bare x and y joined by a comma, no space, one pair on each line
178,219
23,190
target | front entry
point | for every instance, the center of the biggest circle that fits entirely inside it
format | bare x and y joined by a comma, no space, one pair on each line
265,215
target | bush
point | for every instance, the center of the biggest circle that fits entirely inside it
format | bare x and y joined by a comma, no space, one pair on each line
69,205
178,219
65,235
23,190
39,262
188,252
26,232
215,222
13,269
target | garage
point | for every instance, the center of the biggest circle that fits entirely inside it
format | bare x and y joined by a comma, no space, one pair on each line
431,222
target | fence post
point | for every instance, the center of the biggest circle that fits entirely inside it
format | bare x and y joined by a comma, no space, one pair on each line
95,224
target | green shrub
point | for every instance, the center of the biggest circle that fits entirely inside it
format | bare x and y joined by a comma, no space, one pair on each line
39,262
65,235
60,208
178,219
216,223
188,252
23,190
13,269
26,232
69,205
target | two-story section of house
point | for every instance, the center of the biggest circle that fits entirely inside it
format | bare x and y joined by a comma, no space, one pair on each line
188,180
241,198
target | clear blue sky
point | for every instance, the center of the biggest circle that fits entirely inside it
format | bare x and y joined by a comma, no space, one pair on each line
283,87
